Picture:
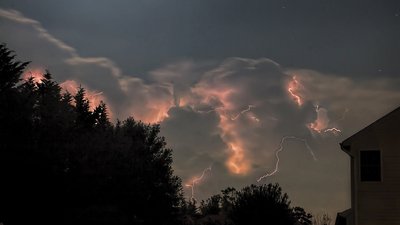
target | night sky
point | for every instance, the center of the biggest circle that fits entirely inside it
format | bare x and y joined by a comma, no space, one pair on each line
227,80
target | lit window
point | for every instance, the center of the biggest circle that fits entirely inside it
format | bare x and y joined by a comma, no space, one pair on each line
370,165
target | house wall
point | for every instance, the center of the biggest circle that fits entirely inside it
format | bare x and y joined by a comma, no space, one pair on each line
378,203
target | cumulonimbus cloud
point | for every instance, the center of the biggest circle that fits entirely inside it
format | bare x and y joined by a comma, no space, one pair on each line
236,110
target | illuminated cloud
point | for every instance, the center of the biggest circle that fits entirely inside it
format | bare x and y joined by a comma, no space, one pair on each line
71,86
94,97
228,94
344,102
321,123
249,148
205,113
147,102
293,88
36,74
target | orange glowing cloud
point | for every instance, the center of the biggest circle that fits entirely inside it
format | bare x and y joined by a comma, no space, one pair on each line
237,161
320,125
321,122
221,99
294,88
69,85
94,97
155,111
36,74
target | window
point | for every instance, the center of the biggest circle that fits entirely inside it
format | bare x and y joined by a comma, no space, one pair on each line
370,165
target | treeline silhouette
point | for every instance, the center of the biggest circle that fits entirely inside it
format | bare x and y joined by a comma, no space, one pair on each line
63,163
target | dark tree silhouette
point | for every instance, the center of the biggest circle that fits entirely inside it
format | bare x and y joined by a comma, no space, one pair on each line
260,205
62,163
15,128
264,204
101,117
301,216
211,206
84,117
10,69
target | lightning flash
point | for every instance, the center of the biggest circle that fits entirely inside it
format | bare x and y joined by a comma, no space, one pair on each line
277,151
197,180
333,130
242,112
293,89
320,125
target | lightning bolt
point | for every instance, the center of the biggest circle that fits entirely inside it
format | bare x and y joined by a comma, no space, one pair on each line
333,130
255,119
281,149
320,125
222,111
293,86
242,112
205,111
196,180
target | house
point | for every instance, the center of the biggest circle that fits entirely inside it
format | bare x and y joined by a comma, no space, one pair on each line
375,173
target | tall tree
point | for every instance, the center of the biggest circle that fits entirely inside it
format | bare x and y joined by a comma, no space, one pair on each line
16,142
84,117
10,69
101,116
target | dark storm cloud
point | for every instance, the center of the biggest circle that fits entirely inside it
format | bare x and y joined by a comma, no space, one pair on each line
344,37
263,83
188,96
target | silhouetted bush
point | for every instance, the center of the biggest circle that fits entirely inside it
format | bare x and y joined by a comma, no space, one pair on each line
264,204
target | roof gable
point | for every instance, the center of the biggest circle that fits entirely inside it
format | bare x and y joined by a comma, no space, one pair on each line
383,119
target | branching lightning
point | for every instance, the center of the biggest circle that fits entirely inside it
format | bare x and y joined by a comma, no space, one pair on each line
216,109
242,112
197,180
281,149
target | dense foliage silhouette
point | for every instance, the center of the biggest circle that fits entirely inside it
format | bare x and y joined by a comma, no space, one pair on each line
63,163
254,204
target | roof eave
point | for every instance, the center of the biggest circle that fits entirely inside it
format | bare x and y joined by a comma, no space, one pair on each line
346,148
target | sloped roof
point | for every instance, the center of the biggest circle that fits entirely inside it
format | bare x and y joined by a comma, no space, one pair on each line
347,142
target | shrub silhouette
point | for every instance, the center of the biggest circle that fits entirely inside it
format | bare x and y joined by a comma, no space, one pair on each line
263,204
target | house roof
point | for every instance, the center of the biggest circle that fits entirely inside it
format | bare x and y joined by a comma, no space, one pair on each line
346,213
346,143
